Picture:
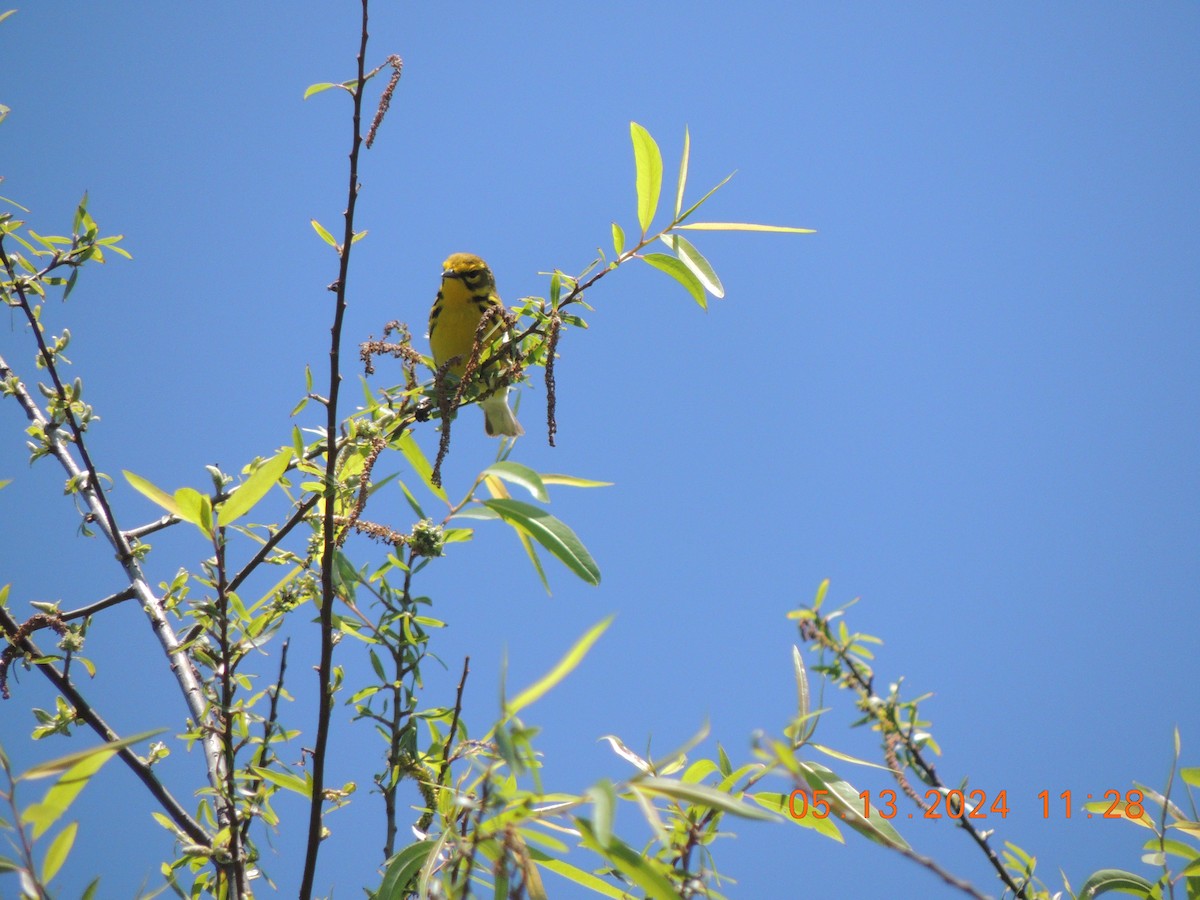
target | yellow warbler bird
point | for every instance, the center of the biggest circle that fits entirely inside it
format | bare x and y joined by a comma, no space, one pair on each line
468,291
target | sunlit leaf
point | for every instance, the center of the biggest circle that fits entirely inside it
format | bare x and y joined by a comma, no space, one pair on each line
744,226
604,802
550,533
522,476
583,879
153,493
618,239
703,795
561,670
572,481
417,459
683,170
317,88
1106,880
325,235
57,852
694,260
649,174
681,273
286,780
402,870
635,867
254,488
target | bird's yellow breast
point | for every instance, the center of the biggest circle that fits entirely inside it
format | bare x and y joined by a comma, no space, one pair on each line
452,325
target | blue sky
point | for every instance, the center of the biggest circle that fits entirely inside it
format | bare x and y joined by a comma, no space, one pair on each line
970,399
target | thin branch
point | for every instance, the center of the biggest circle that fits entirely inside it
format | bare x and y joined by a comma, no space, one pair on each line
328,536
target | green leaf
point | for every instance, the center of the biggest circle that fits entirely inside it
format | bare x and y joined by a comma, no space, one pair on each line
572,481
618,239
845,804
417,459
649,174
153,493
1106,880
744,226
531,552
580,877
254,488
402,870
778,803
58,851
564,667
99,754
522,476
802,694
681,273
76,771
552,534
703,795
325,235
683,170
194,507
631,864
692,258
317,88
604,802
285,780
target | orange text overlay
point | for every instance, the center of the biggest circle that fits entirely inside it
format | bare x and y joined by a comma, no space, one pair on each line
820,803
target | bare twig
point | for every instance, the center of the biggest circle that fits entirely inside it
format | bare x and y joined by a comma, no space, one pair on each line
328,535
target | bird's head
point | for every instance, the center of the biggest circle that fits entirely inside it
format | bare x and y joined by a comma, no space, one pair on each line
470,270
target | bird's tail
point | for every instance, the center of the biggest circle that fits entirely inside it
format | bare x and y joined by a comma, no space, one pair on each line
498,419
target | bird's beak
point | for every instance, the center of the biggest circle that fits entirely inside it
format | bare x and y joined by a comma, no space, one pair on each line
450,273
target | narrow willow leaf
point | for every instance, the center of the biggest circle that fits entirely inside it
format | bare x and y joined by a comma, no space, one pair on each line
695,206
683,170
580,877
317,88
681,273
625,753
402,870
57,852
481,513
254,488
637,868
744,226
846,806
802,695
420,463
550,533
98,755
80,767
704,795
522,476
604,803
618,239
779,803
649,174
286,780
1106,880
572,481
325,235
692,258
531,552
561,670
151,492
